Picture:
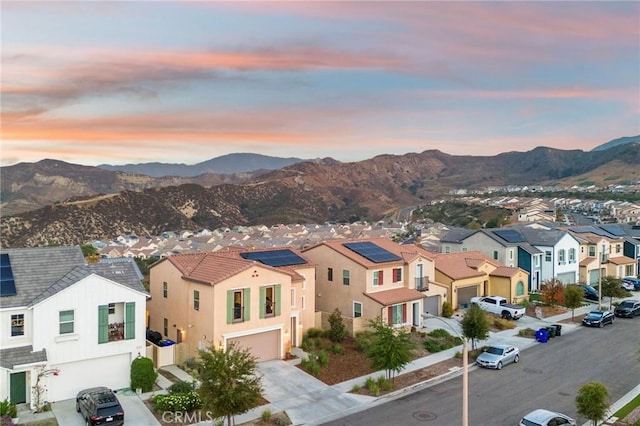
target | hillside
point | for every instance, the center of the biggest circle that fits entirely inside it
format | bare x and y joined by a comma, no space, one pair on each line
304,192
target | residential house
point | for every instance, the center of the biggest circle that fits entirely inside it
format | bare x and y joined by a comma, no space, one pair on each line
369,278
259,299
561,259
473,273
68,325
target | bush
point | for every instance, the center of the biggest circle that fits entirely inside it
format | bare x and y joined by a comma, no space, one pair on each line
384,384
439,332
315,332
337,331
177,402
181,387
447,310
323,358
336,348
432,346
502,324
527,332
8,408
363,340
143,375
266,415
355,388
310,365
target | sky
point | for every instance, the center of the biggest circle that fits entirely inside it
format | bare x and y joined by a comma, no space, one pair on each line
123,82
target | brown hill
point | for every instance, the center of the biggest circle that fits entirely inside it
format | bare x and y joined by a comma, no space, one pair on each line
305,192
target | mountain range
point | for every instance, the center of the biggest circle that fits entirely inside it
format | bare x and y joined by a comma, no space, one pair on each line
53,202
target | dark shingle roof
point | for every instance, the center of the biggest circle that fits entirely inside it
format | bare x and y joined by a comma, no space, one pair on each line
21,355
457,235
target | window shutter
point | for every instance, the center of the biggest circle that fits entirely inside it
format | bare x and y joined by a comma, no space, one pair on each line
130,320
390,315
278,299
263,306
380,275
245,301
404,312
103,323
229,306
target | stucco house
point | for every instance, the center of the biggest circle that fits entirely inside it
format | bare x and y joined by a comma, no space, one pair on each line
473,273
369,278
259,299
76,325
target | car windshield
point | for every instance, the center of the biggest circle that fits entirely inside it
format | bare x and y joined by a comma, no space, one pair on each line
594,315
626,305
495,351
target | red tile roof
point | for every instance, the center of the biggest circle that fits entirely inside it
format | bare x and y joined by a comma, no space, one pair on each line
461,265
394,296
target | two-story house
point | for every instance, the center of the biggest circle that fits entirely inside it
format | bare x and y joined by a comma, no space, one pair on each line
67,325
369,278
560,248
261,300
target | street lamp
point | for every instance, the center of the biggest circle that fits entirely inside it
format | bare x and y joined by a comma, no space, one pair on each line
465,371
600,259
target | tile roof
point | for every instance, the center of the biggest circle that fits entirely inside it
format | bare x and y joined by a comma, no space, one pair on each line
505,271
621,260
461,265
21,355
394,296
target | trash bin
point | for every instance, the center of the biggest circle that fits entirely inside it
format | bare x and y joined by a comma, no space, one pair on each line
552,331
542,335
558,328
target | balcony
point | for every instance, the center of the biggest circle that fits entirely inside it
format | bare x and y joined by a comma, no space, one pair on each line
422,283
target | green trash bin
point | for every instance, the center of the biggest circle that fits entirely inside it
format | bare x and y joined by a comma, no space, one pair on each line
552,332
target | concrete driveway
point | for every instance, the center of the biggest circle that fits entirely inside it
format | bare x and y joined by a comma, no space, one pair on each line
135,412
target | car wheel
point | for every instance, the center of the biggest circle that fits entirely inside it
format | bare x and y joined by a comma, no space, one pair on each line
612,320
499,366
516,359
77,407
87,422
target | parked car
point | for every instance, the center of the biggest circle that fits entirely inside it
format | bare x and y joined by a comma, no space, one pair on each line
496,356
99,406
542,417
626,285
628,308
499,306
590,293
598,318
633,281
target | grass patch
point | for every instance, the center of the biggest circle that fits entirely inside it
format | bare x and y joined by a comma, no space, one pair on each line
632,405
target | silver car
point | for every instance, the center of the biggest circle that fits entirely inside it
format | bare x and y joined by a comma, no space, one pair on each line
496,356
542,417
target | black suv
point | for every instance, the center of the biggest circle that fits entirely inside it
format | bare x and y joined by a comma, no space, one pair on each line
99,406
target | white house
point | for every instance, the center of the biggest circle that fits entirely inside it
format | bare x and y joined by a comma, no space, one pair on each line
67,325
560,250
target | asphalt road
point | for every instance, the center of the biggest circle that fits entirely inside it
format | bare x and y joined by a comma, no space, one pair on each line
547,376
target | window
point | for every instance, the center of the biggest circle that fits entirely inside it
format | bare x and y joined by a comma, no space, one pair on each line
304,282
65,319
397,275
164,289
397,314
329,274
270,301
345,276
121,325
112,308
618,248
572,255
377,278
537,260
165,326
293,297
464,249
447,249
357,309
495,254
303,302
520,288
628,270
592,251
547,256
511,254
237,305
196,300
17,325
561,260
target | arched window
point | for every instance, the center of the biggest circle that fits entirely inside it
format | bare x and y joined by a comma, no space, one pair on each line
520,288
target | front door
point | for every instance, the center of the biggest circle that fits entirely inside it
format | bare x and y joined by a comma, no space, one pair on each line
416,314
18,385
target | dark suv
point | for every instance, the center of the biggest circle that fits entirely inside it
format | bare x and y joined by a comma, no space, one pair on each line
99,406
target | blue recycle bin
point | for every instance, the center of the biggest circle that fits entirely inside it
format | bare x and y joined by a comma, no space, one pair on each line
542,335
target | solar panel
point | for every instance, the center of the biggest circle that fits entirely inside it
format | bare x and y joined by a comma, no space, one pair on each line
7,284
372,252
613,230
510,235
284,257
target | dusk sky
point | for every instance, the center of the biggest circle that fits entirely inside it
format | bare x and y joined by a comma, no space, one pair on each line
184,82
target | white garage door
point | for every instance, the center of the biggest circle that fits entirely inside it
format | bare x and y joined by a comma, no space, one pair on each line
112,372
567,278
264,346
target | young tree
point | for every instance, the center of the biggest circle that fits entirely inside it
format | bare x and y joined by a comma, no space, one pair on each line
390,347
612,287
229,381
573,298
475,325
337,331
143,375
552,291
592,401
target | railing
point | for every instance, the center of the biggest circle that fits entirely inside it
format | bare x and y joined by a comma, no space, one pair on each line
422,283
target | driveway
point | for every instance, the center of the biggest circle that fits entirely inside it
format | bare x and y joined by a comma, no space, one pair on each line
135,412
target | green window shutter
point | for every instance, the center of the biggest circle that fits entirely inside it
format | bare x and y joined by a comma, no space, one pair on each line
277,310
263,307
103,323
246,299
229,306
130,320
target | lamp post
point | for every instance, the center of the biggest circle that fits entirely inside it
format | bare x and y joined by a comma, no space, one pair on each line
465,371
600,258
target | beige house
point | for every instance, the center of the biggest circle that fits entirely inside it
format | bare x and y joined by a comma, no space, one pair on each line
369,278
472,273
262,300
600,255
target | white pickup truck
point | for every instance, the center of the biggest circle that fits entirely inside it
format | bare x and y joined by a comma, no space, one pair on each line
499,306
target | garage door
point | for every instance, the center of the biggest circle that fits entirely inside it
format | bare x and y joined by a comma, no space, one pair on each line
594,276
567,278
264,346
432,305
112,372
465,294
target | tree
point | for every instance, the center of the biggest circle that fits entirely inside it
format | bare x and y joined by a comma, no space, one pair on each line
612,287
337,331
475,325
592,401
143,375
573,298
390,348
552,291
230,384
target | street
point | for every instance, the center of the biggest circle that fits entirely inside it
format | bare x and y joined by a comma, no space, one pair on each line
547,376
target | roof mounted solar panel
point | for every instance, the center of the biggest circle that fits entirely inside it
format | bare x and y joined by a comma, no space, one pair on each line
282,257
372,251
613,229
510,235
7,283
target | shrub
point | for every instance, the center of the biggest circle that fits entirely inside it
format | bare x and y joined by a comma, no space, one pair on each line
384,384
355,388
336,348
502,324
306,345
8,408
552,292
181,387
374,389
315,332
363,340
177,402
310,365
280,421
143,375
337,331
370,381
447,310
266,415
439,332
526,332
432,346
323,358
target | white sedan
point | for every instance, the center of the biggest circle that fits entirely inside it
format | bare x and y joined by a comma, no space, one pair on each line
542,417
496,356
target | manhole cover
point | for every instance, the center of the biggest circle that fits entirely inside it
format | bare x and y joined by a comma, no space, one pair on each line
424,416
564,393
532,371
